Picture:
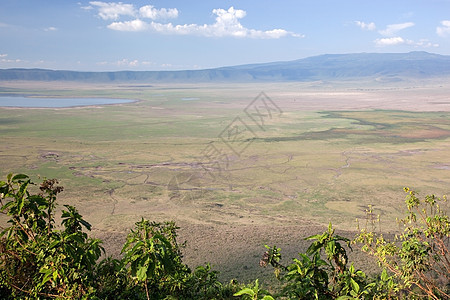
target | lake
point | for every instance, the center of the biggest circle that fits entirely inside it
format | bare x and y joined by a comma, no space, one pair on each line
46,102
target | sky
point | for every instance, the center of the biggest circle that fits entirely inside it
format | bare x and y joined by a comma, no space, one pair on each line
181,34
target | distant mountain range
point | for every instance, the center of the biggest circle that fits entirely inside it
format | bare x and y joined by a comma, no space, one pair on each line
385,66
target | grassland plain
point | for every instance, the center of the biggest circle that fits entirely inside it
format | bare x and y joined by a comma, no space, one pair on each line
332,150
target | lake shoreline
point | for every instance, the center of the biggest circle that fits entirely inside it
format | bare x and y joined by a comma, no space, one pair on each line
46,102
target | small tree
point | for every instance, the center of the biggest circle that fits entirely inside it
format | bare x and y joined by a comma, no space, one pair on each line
419,258
154,259
312,277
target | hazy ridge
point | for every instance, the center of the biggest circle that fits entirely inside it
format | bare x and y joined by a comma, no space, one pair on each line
385,66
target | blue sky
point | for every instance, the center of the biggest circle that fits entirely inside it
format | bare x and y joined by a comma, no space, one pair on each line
172,35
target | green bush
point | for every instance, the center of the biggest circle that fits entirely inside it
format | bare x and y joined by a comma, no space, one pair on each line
415,265
323,272
419,258
37,260
40,260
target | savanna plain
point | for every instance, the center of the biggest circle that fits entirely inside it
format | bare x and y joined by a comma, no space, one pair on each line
236,166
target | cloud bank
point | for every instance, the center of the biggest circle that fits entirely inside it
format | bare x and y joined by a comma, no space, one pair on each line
227,22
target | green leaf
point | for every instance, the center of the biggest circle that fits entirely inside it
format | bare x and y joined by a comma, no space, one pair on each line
20,204
384,275
141,273
355,285
53,244
86,224
313,237
55,275
246,291
370,286
48,274
352,269
7,205
267,297
18,177
76,237
331,247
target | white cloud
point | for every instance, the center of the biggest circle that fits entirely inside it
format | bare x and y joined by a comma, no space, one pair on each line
132,63
444,30
390,41
126,62
135,25
392,29
4,60
365,26
424,43
149,11
50,29
226,24
112,10
394,41
88,7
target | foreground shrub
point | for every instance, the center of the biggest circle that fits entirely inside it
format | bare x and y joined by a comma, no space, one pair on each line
323,272
415,265
419,258
37,260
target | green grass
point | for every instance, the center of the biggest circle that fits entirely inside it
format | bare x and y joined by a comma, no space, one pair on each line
116,162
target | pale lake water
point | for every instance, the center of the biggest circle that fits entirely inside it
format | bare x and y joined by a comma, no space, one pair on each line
43,102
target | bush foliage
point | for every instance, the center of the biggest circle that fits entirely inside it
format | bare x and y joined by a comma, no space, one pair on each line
42,260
